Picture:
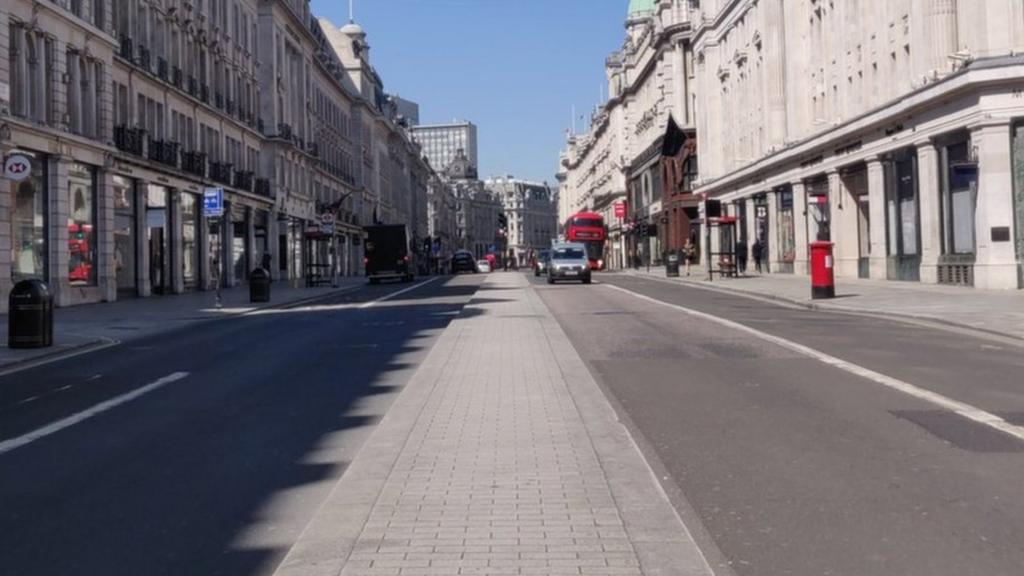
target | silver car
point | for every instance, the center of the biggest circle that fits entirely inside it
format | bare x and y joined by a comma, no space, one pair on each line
569,262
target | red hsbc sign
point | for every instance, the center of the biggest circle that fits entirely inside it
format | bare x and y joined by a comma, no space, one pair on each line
17,167
620,210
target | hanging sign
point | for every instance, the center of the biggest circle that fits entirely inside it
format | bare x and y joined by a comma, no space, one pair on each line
17,167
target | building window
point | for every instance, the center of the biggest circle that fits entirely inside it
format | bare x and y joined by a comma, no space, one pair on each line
28,223
82,225
959,195
189,241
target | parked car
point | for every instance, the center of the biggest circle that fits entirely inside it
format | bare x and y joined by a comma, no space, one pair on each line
462,261
569,262
483,266
541,264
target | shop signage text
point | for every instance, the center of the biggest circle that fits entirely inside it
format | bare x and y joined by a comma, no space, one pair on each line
213,202
620,210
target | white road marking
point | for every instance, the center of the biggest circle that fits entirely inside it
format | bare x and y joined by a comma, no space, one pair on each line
63,388
25,439
963,409
28,400
373,303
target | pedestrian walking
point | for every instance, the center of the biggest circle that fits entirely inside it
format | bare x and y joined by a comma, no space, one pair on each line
741,257
757,251
689,255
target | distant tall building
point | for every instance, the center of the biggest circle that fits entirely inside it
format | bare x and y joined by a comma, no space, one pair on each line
408,110
442,142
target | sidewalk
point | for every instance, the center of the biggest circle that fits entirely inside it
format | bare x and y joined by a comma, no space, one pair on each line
991,311
79,328
501,456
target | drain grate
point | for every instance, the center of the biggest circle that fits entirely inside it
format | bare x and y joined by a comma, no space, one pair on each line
962,432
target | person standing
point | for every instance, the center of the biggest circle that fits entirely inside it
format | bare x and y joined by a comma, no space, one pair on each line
689,255
741,258
757,251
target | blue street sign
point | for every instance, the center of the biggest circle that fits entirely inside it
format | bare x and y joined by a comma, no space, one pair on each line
213,202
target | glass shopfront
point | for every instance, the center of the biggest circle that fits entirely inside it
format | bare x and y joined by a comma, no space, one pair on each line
786,230
157,239
190,240
903,217
261,232
239,252
125,250
819,226
215,251
28,223
82,225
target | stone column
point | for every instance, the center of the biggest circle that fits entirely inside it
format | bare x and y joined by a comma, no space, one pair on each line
774,48
142,240
227,252
274,244
205,282
845,235
174,232
774,250
996,265
106,275
876,200
928,199
800,265
5,223
57,224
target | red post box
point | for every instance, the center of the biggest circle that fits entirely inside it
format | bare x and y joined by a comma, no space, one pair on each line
823,278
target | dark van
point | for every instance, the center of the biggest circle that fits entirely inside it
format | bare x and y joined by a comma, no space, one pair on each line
388,254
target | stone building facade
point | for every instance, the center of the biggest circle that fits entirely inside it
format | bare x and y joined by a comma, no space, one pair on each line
623,157
122,113
899,139
531,212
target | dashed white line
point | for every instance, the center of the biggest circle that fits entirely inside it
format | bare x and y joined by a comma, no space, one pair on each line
25,439
963,409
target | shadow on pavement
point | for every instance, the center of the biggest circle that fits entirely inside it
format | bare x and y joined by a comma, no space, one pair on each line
220,472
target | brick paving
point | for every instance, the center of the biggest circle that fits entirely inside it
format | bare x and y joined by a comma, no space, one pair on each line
498,472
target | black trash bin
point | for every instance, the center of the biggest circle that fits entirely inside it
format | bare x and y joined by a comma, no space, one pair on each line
672,265
30,317
259,285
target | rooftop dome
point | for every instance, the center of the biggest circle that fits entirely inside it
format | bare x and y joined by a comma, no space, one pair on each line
637,7
352,29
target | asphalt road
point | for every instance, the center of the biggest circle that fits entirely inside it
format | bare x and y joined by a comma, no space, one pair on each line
784,465
220,470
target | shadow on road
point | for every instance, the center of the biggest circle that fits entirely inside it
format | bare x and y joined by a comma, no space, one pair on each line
219,473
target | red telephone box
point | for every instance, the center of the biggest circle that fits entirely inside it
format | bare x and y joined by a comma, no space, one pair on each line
823,279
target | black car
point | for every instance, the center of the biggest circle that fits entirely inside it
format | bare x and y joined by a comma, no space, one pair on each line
541,264
463,261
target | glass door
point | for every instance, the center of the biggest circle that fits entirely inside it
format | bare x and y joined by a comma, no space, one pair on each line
125,231
157,239
903,217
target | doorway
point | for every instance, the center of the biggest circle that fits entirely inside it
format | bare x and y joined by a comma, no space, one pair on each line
125,234
903,218
157,238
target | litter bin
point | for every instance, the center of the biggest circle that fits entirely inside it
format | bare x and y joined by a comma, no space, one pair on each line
259,285
672,265
30,316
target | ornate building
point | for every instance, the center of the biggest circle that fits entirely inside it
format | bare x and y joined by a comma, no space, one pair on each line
899,139
623,157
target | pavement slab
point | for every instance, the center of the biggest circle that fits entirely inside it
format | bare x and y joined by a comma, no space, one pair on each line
502,456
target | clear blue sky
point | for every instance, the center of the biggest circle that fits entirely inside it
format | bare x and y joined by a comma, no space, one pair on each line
513,67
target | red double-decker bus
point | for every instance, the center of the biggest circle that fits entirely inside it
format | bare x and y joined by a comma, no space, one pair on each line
588,229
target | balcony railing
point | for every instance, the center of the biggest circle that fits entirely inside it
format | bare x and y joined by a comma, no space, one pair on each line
176,77
164,152
145,58
204,93
230,107
194,163
130,140
218,100
284,131
260,126
263,187
193,86
221,172
244,180
127,48
162,69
